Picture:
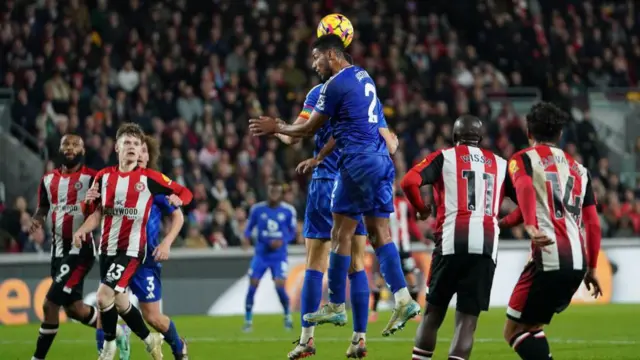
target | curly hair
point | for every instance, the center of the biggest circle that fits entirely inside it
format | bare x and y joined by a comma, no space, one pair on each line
153,148
545,122
131,129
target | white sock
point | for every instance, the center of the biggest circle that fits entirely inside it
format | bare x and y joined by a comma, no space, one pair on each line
357,336
402,296
109,345
147,340
119,331
307,333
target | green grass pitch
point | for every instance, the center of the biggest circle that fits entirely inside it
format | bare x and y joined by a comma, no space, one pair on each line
581,333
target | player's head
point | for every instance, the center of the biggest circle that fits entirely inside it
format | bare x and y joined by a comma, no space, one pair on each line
328,56
274,191
545,122
467,129
129,139
71,150
149,153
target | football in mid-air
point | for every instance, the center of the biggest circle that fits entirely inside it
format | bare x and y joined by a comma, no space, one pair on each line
337,24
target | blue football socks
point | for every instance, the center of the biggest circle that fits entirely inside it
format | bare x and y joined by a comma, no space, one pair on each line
390,267
311,294
248,304
338,269
284,299
173,339
359,300
99,339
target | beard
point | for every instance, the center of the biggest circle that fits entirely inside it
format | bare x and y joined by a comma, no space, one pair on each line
71,162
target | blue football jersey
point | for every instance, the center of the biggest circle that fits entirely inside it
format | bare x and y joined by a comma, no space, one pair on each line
328,168
160,208
267,224
349,98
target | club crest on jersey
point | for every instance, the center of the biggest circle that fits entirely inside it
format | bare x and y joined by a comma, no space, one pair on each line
140,187
281,216
513,167
77,185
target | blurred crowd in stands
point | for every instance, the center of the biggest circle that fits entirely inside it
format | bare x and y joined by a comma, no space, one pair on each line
193,72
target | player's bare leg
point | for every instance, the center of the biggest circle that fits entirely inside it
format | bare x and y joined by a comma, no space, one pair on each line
528,340
162,323
359,298
391,269
376,290
334,312
78,311
316,266
112,304
427,334
463,334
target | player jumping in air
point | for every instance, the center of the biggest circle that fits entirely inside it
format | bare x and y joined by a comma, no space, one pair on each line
126,196
554,196
468,187
60,204
272,224
146,284
364,184
317,233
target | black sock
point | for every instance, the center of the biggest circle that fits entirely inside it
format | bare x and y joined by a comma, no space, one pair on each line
109,318
531,345
92,319
376,299
47,334
133,318
414,292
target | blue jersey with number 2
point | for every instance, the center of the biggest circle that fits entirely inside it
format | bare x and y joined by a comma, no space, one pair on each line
366,172
328,168
349,98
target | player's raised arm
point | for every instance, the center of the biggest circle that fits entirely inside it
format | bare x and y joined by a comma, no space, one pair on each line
309,103
428,171
161,184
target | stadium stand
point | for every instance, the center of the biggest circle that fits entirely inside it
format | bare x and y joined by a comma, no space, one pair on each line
193,72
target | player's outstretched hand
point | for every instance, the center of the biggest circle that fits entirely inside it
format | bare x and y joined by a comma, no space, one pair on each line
592,283
174,200
538,238
264,125
78,238
92,194
307,165
161,253
35,225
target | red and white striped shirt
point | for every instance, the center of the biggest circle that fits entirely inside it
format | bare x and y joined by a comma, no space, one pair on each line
403,224
468,187
126,199
562,189
63,195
